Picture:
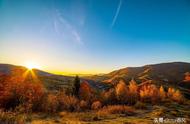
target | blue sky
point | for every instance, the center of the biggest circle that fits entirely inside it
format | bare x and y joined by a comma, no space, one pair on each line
93,36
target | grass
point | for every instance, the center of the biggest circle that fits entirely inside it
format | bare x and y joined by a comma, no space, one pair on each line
11,118
115,114
117,109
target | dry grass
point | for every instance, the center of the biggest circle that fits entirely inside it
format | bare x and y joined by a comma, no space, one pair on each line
140,105
11,118
117,109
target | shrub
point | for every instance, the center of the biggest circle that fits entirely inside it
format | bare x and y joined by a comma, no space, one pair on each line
11,118
116,109
17,92
96,105
109,97
140,105
86,92
69,103
50,103
83,105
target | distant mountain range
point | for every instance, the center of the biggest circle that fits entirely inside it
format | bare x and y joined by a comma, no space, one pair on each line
175,74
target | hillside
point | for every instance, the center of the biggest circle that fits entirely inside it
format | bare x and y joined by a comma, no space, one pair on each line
29,102
175,74
52,82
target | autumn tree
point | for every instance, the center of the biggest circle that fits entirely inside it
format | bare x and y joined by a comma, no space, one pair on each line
133,92
170,92
175,95
149,93
121,92
17,92
162,93
86,92
178,97
109,97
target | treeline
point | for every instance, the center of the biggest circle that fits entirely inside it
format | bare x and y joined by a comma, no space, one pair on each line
21,96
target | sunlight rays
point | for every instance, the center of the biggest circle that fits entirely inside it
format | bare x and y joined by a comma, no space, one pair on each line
30,74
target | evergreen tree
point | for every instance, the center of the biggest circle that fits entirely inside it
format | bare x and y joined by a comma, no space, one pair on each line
76,86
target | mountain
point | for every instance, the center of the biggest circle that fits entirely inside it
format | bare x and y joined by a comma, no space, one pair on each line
52,82
175,74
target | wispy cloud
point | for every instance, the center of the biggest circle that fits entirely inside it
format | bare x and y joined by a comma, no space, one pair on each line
67,27
116,14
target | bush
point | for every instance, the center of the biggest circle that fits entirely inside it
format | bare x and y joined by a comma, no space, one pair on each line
109,97
116,109
83,105
50,103
69,103
11,118
96,105
16,92
140,105
86,92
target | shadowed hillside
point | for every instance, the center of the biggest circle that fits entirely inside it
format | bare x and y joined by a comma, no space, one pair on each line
175,74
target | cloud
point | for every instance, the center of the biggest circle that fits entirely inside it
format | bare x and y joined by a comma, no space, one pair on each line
69,28
116,14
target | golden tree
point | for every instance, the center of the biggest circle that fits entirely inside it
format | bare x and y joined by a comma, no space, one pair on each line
162,93
170,93
133,92
175,95
121,92
149,93
178,97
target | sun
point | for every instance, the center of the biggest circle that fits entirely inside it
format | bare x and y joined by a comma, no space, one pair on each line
32,65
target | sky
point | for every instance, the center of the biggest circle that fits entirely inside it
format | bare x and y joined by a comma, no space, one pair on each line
93,36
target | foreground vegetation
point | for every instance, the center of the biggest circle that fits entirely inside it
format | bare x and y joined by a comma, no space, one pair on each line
24,101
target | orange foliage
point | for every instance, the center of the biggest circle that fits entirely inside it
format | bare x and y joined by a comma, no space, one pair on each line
171,91
109,97
69,103
133,92
50,104
116,109
149,93
86,92
96,105
162,93
15,91
83,104
121,92
175,95
187,76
